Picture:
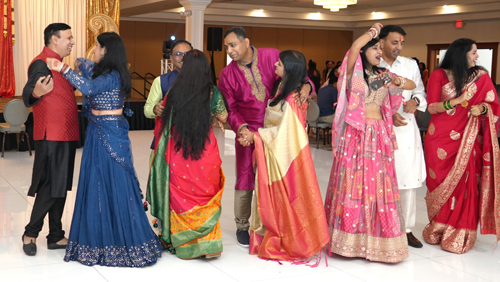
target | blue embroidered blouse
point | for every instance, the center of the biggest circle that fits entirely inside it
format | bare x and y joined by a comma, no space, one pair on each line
101,93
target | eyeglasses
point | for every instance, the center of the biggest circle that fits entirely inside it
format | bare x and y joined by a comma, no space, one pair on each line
179,54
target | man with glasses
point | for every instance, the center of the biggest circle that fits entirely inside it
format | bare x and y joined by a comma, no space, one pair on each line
162,83
154,105
247,84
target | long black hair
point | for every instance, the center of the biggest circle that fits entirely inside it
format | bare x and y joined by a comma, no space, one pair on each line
114,59
188,101
364,60
456,60
294,75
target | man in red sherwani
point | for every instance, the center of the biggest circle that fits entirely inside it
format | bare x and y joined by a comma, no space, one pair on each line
247,84
55,133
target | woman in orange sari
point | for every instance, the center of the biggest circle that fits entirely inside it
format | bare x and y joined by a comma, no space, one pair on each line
288,221
186,180
461,151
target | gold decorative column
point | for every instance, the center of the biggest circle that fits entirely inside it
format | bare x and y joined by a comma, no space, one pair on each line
102,16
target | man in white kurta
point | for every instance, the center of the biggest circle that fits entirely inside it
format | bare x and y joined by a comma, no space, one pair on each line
410,164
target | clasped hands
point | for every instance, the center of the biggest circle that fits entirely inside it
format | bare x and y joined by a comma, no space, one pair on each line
245,137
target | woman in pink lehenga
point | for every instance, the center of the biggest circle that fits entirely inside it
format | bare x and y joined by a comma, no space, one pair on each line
362,204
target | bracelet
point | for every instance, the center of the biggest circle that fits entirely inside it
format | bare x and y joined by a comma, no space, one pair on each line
485,110
416,100
63,68
402,82
446,106
373,32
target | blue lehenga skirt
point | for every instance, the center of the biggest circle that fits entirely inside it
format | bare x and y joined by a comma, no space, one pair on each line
110,226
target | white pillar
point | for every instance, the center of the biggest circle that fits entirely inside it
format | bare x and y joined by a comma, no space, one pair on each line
195,19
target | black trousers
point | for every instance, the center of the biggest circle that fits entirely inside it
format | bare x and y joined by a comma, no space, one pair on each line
52,177
44,203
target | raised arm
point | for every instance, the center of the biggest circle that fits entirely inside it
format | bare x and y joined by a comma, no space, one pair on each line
105,82
358,44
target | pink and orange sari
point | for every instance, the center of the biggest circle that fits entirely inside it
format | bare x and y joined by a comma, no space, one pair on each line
185,195
288,221
363,208
463,165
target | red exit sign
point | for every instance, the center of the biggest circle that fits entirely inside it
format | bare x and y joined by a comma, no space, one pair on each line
459,24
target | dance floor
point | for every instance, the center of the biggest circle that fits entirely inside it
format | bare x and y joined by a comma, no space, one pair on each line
429,263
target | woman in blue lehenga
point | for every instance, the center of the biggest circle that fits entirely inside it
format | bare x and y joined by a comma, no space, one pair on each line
109,226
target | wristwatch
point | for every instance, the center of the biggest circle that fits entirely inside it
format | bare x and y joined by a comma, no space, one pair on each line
416,100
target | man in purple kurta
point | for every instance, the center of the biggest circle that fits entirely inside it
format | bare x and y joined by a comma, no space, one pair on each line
247,84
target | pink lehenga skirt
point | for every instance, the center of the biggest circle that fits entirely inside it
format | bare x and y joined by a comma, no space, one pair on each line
363,207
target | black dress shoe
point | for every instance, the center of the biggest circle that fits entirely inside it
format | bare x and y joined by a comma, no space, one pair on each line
55,246
412,241
30,248
243,238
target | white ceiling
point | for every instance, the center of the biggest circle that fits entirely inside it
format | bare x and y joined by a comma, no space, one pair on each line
303,13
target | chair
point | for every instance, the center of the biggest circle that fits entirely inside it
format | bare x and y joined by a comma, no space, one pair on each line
312,121
15,115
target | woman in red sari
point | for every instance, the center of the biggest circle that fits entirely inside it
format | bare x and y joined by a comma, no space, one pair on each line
461,151
186,180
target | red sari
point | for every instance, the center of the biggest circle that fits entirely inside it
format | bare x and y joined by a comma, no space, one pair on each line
463,165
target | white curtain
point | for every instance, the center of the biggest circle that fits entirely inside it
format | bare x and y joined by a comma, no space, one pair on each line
32,17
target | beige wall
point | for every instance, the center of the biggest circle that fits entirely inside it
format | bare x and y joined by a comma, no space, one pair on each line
418,36
144,43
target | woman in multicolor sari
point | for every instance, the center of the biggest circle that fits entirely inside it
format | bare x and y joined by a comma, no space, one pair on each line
289,220
109,224
461,151
186,180
362,204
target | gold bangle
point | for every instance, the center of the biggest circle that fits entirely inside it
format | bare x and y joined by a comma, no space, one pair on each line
485,110
402,82
445,105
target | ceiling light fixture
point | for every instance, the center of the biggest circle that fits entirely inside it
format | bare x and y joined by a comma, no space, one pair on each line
335,5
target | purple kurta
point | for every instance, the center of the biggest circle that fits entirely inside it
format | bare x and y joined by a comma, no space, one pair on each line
247,91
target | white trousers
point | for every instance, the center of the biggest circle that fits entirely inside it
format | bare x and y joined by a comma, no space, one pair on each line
409,206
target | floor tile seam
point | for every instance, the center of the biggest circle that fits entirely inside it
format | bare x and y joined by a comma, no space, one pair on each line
461,270
95,268
227,274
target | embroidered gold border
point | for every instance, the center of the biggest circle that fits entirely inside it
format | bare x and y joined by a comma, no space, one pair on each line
489,202
437,198
258,88
455,240
370,247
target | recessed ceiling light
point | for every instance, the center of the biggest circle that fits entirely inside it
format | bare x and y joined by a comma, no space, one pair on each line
445,6
261,10
373,13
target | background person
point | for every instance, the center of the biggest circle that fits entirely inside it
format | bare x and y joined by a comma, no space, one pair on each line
461,151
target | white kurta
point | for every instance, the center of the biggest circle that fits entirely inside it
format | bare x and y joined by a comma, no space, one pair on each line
410,164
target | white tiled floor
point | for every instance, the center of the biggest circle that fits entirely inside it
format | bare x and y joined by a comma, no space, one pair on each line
430,263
